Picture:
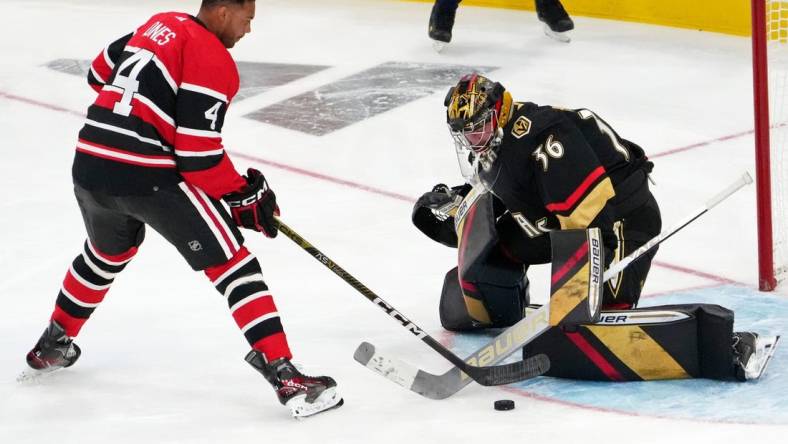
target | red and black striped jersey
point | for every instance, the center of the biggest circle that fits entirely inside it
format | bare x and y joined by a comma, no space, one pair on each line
163,94
565,169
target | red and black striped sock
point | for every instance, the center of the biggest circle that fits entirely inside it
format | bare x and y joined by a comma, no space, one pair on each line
87,281
240,280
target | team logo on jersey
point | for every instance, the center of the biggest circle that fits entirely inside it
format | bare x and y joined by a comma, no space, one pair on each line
195,245
521,127
531,229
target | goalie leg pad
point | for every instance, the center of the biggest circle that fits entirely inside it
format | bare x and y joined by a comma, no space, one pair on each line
452,309
491,285
664,342
483,304
576,276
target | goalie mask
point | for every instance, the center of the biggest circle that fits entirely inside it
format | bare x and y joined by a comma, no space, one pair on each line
476,111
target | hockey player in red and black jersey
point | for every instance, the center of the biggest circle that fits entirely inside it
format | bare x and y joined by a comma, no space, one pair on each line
151,154
532,169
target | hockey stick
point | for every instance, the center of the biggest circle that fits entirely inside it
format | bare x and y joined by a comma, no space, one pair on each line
497,375
515,337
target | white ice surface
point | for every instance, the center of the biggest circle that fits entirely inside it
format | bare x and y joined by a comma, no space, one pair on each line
162,358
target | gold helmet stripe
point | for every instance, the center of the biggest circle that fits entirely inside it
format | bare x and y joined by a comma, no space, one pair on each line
506,110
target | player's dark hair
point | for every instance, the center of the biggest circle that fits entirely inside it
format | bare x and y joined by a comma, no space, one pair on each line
210,3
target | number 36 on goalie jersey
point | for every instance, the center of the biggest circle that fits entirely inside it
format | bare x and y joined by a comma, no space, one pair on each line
552,148
556,168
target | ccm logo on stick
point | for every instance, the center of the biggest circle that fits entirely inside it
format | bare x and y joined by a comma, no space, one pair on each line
402,319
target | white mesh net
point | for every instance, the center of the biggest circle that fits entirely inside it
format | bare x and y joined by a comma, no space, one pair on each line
777,56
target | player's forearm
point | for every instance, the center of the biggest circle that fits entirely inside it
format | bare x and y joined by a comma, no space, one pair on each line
216,180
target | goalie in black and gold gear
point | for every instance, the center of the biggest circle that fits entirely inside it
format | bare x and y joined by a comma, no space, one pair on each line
546,169
531,169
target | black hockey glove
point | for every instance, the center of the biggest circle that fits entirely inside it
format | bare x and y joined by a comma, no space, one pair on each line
434,212
255,206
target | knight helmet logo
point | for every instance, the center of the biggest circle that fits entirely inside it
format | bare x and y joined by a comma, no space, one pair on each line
521,127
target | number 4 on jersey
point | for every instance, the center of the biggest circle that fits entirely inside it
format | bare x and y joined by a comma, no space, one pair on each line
129,83
213,114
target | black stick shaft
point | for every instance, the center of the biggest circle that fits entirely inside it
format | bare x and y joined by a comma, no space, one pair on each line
472,371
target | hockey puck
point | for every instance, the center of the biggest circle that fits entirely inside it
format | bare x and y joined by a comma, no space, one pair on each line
504,404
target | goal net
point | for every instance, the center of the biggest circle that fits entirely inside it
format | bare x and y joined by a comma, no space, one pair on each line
770,80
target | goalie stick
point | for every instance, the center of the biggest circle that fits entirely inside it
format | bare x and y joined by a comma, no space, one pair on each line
513,338
495,375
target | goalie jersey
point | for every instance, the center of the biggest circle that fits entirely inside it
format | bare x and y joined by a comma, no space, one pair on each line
566,169
163,94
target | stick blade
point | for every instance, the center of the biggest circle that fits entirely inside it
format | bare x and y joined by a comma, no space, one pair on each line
424,383
395,370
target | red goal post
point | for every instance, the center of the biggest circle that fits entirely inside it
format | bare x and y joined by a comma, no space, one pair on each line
770,90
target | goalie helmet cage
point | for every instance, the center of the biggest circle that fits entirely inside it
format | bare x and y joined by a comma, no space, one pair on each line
770,78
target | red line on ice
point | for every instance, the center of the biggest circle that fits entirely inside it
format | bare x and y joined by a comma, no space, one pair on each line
397,196
40,104
447,338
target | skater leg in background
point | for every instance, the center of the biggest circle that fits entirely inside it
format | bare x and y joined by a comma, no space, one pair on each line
442,22
557,21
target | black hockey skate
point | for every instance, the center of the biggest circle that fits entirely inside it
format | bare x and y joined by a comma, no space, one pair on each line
751,354
557,21
53,351
441,24
304,395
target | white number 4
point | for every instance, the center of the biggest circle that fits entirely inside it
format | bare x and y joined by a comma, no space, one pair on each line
213,114
129,83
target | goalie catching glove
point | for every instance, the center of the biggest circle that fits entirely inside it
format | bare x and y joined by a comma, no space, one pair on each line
254,207
434,212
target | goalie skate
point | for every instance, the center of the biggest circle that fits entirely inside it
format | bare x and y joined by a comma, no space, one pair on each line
760,350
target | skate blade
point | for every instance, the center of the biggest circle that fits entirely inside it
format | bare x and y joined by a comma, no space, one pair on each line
562,37
764,356
438,46
327,400
30,375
